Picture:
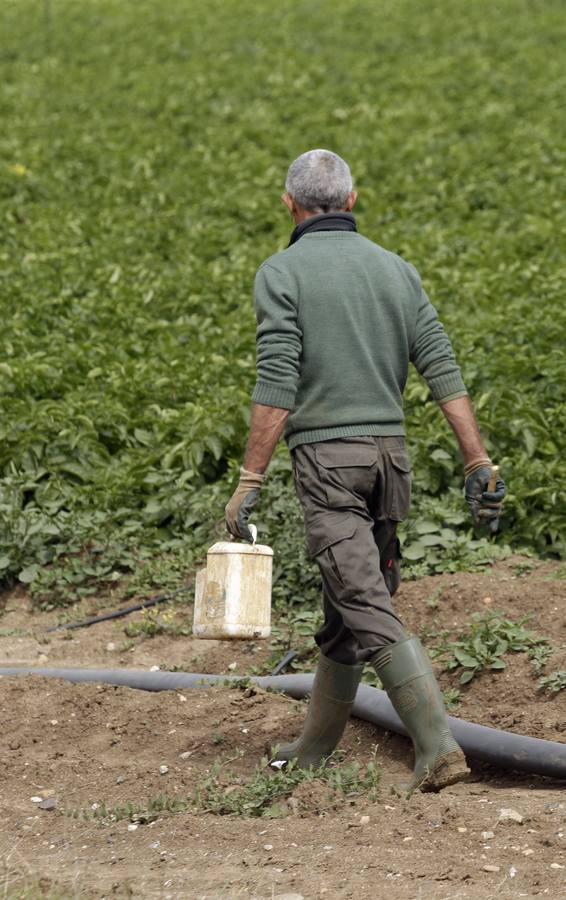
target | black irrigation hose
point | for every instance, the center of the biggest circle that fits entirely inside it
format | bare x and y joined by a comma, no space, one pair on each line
119,613
500,748
283,663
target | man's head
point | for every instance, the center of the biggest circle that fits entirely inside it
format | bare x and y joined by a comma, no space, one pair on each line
317,182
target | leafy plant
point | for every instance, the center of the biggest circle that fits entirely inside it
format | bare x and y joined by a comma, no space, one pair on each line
452,699
483,646
142,814
153,622
558,574
433,599
553,683
260,795
224,793
539,655
524,567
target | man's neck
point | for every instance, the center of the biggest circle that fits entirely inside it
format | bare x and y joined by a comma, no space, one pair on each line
333,221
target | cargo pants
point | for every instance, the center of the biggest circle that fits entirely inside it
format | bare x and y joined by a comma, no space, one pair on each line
354,491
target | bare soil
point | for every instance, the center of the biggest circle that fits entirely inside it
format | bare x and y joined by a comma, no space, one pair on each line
93,744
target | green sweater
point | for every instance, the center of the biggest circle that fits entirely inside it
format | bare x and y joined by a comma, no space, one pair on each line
339,319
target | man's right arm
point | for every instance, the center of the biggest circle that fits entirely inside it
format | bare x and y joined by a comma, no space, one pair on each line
485,504
431,352
460,416
433,357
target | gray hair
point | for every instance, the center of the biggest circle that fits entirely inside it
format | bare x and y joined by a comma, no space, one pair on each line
319,180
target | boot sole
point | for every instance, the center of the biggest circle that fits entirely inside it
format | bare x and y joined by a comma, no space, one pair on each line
449,769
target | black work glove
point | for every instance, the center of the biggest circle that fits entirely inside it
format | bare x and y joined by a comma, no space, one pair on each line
485,505
241,504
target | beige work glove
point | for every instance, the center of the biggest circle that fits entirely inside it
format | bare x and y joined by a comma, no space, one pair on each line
241,504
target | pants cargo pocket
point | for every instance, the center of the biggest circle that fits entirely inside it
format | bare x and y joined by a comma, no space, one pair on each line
398,490
335,551
328,530
346,467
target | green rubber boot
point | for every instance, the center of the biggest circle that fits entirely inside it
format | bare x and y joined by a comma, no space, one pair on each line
332,698
406,674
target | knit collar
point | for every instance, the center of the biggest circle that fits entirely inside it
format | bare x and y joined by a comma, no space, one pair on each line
333,221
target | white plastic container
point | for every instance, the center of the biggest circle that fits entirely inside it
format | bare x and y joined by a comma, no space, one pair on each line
233,593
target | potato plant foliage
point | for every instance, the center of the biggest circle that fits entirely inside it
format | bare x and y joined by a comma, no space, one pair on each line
142,155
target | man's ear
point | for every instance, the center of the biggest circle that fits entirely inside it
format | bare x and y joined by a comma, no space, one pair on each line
351,201
287,199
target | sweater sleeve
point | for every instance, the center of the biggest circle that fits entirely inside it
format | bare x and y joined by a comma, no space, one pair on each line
278,339
433,356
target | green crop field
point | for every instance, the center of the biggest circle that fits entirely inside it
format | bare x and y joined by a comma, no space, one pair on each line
143,150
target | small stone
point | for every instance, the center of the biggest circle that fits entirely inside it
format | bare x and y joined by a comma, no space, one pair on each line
487,600
364,820
328,847
110,646
182,698
487,835
233,666
133,826
154,845
47,792
49,804
154,669
163,770
185,754
492,868
290,896
54,722
36,799
528,852
120,779
268,846
389,808
42,659
512,872
556,866
462,829
510,815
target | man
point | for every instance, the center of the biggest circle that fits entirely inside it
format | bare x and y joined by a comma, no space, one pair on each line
339,319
